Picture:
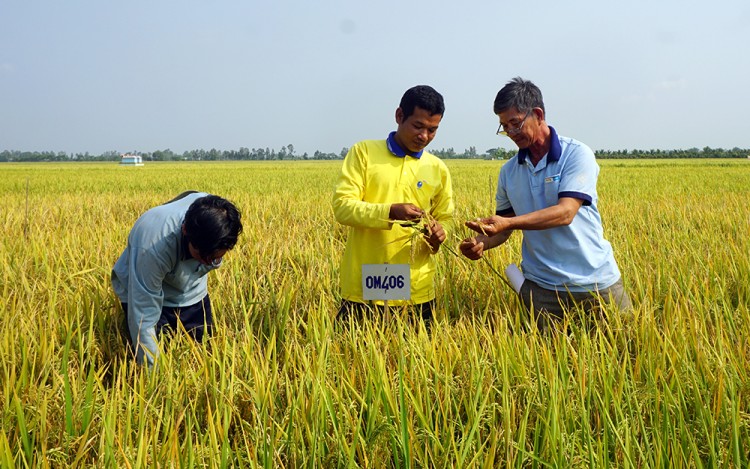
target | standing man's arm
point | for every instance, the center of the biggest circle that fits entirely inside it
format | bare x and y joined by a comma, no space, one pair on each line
561,214
145,302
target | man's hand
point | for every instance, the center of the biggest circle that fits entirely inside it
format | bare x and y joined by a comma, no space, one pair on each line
405,212
473,248
490,225
435,235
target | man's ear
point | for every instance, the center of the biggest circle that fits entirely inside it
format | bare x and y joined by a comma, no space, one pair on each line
184,231
399,116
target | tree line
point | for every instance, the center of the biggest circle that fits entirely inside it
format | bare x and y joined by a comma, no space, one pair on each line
287,152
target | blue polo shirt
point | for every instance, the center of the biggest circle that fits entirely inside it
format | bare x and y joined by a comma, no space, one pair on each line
575,257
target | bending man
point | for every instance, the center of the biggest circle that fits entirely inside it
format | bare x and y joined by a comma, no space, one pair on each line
161,279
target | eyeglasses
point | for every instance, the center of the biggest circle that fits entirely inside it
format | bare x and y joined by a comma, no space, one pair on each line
515,129
212,262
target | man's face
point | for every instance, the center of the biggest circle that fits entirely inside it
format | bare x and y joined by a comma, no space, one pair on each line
416,131
213,259
521,127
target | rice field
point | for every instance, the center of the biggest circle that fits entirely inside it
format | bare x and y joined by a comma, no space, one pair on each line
280,385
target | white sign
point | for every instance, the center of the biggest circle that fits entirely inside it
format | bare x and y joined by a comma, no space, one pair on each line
386,282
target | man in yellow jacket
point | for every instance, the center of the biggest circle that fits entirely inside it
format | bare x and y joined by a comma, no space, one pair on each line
398,202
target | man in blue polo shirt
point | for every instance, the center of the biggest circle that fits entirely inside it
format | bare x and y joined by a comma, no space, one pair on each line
548,191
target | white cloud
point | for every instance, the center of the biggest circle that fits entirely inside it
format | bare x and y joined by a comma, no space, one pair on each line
7,67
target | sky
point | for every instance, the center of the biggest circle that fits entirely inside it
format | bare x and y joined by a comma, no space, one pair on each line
95,76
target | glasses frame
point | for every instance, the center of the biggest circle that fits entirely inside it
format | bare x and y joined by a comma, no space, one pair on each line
213,262
514,130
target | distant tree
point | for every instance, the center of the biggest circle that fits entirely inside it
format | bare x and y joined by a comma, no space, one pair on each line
288,152
111,155
495,153
162,155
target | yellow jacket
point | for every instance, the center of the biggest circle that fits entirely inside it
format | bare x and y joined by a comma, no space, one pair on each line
372,178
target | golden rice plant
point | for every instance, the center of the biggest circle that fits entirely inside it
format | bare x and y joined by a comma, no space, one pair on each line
282,385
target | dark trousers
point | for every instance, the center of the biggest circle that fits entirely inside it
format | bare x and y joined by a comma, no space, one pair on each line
549,307
352,310
197,320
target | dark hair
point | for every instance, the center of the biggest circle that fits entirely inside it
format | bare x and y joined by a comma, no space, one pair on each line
212,224
520,94
424,97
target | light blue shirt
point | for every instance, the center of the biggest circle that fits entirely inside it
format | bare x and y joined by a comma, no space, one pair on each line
156,271
574,257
